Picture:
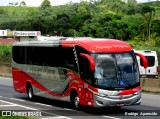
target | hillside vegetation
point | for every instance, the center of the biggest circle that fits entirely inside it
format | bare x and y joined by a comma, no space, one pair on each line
138,24
100,18
5,54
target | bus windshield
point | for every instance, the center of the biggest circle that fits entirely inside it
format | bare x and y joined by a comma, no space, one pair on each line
116,71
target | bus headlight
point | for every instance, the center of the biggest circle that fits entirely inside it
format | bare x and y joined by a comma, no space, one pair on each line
101,95
138,92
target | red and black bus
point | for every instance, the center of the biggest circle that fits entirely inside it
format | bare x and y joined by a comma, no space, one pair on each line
92,72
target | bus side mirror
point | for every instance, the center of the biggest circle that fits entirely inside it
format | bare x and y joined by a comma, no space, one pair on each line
90,60
144,60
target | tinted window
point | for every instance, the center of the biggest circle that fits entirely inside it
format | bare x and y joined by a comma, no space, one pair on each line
85,72
18,54
47,56
151,61
70,58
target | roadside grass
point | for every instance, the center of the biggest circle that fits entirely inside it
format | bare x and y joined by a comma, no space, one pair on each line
150,90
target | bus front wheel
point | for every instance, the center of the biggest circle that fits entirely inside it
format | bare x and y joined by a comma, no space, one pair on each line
30,92
75,100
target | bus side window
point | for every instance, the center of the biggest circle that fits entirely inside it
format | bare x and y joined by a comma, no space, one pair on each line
70,59
69,64
36,58
84,69
20,54
29,55
16,54
85,72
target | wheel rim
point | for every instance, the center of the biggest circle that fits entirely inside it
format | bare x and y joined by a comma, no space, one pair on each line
76,102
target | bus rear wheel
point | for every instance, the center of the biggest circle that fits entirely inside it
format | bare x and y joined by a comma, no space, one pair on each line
30,92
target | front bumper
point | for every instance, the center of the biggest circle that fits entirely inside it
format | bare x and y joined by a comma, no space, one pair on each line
149,76
125,100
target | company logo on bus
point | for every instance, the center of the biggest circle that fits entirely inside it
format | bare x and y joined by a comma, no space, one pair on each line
120,97
121,83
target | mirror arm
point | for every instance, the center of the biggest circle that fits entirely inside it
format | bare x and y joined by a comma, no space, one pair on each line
90,59
144,60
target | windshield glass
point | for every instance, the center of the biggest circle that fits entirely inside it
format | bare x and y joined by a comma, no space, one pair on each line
116,71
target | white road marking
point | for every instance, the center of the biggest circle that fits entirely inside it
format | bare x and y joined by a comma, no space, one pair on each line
69,109
17,99
34,103
43,104
29,108
7,105
111,117
18,105
57,117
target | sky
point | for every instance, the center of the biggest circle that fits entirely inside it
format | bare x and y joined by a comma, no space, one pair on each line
53,2
36,2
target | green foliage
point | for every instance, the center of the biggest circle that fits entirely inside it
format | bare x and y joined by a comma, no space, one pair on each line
45,4
153,44
138,24
22,3
102,18
5,53
148,12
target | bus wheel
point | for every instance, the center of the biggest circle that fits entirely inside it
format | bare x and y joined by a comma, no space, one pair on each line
75,101
30,92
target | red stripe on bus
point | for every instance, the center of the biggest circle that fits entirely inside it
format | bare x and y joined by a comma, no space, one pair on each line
40,86
131,91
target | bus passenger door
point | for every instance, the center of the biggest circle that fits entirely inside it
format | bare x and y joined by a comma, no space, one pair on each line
86,76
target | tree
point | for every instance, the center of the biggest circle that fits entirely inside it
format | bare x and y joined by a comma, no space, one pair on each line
11,4
2,11
22,3
62,24
148,12
45,4
16,3
132,2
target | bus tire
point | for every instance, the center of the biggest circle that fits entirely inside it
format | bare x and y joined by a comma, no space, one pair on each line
75,100
30,92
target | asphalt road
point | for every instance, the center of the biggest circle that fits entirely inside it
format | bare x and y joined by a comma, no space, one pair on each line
18,104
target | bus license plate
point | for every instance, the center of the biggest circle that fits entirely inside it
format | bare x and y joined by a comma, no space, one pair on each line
120,104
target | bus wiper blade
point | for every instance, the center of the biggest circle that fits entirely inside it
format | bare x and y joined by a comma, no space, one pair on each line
123,76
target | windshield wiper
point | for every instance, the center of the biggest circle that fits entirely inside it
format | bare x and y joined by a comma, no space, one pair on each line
123,76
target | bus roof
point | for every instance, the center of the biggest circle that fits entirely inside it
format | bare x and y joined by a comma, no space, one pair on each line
90,44
98,44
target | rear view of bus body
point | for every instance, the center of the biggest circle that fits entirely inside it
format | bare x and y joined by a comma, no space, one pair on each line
152,70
